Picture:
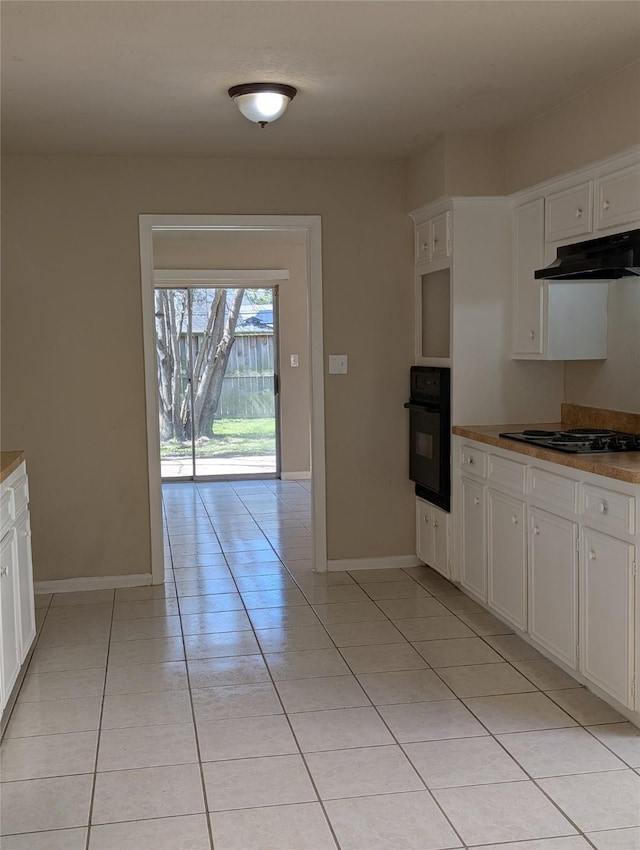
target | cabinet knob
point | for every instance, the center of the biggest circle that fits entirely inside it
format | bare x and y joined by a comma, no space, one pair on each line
425,246
603,507
476,500
426,519
435,523
4,571
514,520
606,205
470,461
536,530
578,213
435,240
532,334
592,554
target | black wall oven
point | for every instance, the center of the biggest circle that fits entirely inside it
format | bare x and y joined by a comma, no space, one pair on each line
430,434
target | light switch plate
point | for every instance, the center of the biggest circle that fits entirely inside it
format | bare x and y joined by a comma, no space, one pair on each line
338,364
294,360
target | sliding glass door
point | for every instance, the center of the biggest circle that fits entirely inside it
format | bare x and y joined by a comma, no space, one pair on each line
217,382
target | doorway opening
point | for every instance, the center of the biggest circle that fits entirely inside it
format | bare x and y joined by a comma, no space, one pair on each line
218,382
303,230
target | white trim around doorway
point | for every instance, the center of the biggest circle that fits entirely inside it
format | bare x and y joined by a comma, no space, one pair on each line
310,225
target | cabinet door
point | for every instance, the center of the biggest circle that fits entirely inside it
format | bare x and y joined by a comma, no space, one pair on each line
553,584
606,613
569,213
422,236
25,584
474,562
440,237
618,198
506,555
424,532
9,615
440,529
528,248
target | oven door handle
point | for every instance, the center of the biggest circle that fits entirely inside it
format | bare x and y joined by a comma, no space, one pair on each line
422,408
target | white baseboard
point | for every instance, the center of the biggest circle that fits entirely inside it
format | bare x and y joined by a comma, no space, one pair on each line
398,561
292,476
69,585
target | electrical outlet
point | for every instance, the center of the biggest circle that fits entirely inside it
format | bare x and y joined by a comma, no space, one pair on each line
338,364
294,361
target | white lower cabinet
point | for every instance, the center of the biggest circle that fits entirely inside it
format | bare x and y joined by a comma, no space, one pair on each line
507,556
473,561
606,614
25,596
432,537
554,554
17,610
9,614
553,584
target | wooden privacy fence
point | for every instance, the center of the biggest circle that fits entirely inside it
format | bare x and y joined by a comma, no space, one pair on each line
247,387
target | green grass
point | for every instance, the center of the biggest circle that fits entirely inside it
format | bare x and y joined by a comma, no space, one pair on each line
231,438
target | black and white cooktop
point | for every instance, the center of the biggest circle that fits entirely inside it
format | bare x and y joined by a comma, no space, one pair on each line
579,440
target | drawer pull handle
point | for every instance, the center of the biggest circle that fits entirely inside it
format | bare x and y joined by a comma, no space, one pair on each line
592,554
578,213
603,507
4,571
536,530
476,500
606,205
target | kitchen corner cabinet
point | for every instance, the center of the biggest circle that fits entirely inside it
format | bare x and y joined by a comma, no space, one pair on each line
552,320
553,551
432,537
17,614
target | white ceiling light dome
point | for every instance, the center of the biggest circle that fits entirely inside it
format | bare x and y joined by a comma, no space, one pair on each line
262,103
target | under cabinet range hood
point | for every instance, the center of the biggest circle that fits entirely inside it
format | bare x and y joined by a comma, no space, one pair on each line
607,258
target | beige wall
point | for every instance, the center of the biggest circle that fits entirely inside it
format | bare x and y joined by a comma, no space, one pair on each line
600,121
72,379
457,165
204,250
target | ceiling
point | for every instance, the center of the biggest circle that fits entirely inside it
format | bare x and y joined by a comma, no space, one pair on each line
377,79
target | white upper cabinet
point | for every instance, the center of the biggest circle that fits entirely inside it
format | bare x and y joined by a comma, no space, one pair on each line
433,239
569,213
528,255
552,320
618,198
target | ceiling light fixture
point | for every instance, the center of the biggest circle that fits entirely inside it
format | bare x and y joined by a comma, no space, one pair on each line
262,103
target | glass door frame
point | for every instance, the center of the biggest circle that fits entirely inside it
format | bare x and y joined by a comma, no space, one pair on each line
188,287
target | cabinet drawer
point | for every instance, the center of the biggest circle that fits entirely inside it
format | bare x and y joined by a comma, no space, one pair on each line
507,473
613,511
20,489
473,461
554,490
618,198
7,510
422,241
569,213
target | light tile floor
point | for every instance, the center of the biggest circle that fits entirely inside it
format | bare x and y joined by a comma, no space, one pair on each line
250,704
